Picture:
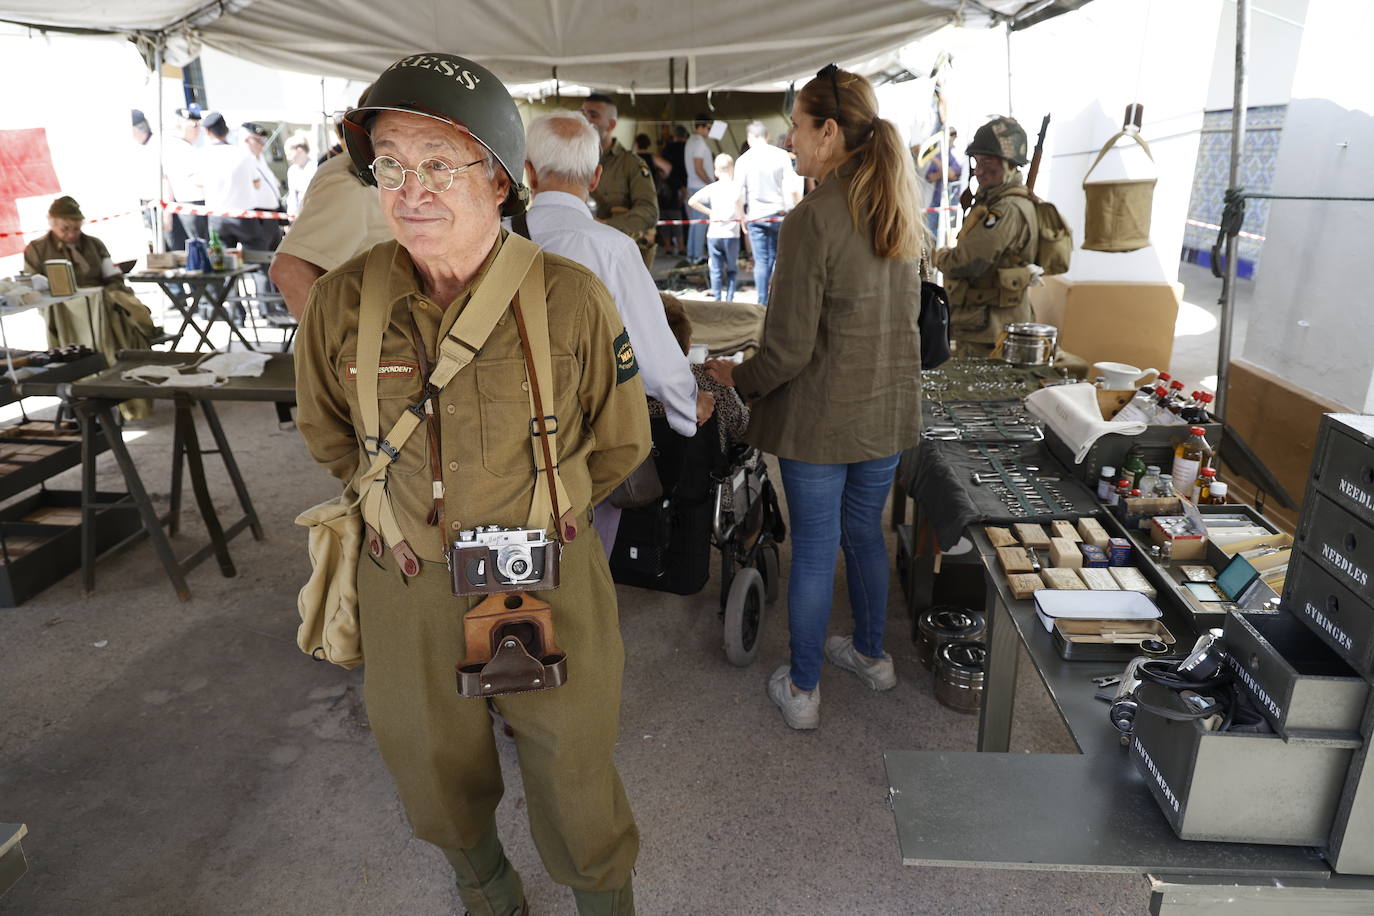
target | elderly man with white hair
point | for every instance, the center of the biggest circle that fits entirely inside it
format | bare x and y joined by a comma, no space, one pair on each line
562,156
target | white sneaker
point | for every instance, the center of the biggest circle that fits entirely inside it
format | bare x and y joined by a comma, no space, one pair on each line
800,710
877,675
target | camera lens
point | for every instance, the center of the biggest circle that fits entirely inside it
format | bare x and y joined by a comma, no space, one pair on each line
514,563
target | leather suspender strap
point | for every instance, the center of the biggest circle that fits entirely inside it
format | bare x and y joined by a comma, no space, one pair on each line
532,319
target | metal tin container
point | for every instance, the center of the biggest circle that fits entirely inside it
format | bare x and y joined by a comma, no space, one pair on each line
945,623
959,675
1029,343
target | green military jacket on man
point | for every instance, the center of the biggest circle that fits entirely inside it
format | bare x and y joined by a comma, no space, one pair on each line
987,272
625,197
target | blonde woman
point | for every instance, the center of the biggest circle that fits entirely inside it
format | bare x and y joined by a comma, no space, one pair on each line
835,389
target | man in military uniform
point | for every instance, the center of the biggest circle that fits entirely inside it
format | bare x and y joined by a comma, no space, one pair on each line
443,139
988,271
625,199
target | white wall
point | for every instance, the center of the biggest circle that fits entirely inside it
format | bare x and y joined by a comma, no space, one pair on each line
1084,68
1313,310
1275,38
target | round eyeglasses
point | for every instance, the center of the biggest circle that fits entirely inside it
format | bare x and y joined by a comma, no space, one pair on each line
434,175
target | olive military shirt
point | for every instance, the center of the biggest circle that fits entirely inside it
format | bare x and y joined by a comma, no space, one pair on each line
93,253
838,376
626,182
484,415
984,271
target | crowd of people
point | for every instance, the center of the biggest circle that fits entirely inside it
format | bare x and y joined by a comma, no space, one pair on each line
416,223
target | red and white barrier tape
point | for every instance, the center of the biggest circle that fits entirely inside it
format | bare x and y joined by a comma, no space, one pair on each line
1216,228
766,219
197,210
98,219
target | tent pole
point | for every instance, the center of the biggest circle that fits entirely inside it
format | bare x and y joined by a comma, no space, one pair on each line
1009,111
158,212
1228,283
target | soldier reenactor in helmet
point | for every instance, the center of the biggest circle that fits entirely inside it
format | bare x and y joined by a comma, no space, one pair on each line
442,138
988,271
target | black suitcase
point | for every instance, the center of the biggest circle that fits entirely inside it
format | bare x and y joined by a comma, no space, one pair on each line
666,546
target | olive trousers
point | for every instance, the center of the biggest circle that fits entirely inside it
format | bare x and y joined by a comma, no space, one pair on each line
441,750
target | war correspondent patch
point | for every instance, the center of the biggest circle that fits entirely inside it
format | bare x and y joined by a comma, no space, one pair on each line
625,366
388,368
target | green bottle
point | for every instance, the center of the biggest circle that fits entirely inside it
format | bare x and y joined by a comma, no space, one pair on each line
216,251
1133,467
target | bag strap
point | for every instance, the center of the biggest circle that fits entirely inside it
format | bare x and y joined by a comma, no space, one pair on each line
532,319
1112,142
373,312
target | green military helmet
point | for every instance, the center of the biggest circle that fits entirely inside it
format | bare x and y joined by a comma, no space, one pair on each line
1001,137
454,90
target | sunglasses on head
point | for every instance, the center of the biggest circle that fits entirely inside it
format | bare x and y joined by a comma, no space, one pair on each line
829,70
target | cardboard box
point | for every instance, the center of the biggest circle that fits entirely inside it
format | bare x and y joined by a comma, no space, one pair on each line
1093,533
1187,546
1094,557
1064,554
1090,317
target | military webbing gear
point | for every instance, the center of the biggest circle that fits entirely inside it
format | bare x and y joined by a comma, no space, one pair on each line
453,90
1001,137
1054,245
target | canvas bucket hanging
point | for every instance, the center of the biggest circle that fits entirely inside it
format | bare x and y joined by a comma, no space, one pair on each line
1117,214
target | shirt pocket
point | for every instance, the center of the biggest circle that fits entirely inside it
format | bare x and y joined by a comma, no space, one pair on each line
504,405
398,386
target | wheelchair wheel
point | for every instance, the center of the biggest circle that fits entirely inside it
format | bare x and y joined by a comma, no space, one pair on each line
770,567
744,617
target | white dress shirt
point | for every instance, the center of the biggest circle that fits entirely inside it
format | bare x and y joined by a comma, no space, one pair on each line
228,172
562,224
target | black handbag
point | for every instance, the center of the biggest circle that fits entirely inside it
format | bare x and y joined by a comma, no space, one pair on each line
934,325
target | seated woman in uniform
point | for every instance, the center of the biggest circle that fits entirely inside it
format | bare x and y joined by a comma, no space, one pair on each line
93,267
128,323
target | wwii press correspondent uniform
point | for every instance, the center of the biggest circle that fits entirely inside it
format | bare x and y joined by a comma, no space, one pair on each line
834,390
988,271
440,747
126,323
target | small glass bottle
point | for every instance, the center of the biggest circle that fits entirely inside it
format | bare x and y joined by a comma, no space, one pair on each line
1134,466
1189,458
1123,489
1106,485
1149,483
1217,495
1206,478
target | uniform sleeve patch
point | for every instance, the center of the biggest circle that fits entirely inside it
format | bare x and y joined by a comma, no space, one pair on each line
625,366
991,219
643,169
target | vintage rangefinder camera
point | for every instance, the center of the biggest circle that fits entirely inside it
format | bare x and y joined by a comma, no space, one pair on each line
489,559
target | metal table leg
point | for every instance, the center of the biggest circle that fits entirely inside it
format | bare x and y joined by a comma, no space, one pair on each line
104,410
999,676
216,291
232,467
186,305
88,508
186,420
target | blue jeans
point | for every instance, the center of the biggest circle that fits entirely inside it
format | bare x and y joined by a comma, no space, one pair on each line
696,237
724,266
833,506
764,239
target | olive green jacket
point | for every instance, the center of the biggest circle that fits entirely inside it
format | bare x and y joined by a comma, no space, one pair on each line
838,376
625,196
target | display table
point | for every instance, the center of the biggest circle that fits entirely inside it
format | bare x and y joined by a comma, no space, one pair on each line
95,399
12,862
188,290
1092,811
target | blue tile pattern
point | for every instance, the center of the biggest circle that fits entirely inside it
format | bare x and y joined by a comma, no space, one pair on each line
1264,128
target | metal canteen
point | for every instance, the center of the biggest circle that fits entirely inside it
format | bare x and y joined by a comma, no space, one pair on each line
959,675
1030,343
945,623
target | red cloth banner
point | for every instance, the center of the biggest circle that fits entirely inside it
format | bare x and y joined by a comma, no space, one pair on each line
25,171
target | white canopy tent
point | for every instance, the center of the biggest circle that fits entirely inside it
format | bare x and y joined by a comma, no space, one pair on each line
693,45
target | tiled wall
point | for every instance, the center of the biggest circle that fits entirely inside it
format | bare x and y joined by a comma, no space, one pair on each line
1264,127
